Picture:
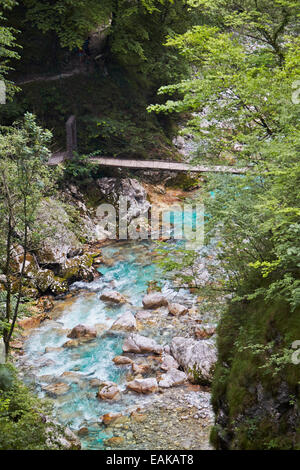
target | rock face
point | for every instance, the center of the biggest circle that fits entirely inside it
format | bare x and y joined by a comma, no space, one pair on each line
109,392
154,300
143,385
199,356
141,344
177,309
113,296
125,322
172,377
113,188
57,238
80,331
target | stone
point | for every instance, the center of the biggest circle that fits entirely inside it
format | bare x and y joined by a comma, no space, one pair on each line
111,418
143,315
56,389
114,441
204,333
141,344
168,362
73,443
177,309
126,322
154,300
200,356
122,360
83,431
113,296
172,378
109,392
80,331
31,322
140,368
144,386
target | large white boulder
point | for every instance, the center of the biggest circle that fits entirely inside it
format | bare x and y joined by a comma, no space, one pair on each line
198,356
126,322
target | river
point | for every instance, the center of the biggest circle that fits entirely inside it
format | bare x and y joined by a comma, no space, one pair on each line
177,418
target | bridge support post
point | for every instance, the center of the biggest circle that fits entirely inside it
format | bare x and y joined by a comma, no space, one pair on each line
71,132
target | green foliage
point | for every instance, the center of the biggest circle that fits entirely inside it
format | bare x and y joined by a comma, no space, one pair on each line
7,378
7,45
244,65
24,419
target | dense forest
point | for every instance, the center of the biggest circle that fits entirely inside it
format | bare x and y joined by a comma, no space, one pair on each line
207,82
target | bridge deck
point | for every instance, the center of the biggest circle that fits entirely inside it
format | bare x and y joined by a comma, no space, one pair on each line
163,165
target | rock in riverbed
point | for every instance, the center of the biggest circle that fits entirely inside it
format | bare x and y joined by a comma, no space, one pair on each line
122,360
200,356
113,296
109,392
141,344
57,389
125,322
154,300
80,331
143,385
177,309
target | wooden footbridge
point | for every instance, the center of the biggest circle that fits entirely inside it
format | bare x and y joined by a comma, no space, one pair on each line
157,165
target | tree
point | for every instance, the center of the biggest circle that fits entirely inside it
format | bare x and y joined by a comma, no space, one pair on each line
7,45
244,92
24,179
135,31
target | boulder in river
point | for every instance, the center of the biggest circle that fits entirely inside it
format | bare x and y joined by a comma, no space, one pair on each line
113,296
109,392
122,360
111,418
141,344
126,322
177,309
143,385
172,378
154,300
196,357
56,389
80,331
